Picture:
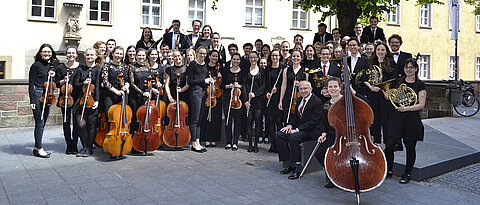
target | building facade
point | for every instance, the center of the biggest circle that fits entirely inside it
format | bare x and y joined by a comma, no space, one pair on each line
28,24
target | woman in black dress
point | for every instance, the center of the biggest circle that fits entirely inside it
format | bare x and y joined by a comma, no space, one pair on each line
171,79
291,75
253,99
86,126
309,61
156,67
209,135
380,106
146,40
206,40
130,55
232,79
61,73
273,84
198,80
405,121
37,76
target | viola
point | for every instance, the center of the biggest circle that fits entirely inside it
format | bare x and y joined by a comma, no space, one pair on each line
236,103
118,140
102,130
146,138
177,134
218,83
211,100
87,98
48,98
353,163
66,90
293,99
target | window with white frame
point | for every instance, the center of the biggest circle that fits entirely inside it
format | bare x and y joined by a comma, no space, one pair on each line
477,70
394,15
196,11
424,67
451,67
254,13
477,27
151,12
299,17
43,9
425,15
100,11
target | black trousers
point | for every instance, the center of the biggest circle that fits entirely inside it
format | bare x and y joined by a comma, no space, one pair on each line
322,149
254,119
234,122
37,113
67,131
288,145
196,103
86,129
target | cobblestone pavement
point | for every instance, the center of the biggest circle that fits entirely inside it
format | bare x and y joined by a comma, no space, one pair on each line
186,177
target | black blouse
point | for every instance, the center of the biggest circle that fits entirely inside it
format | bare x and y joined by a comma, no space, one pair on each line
60,73
197,74
258,88
110,75
172,72
79,76
37,76
229,78
138,76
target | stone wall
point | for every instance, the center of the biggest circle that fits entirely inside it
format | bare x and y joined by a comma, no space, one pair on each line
15,105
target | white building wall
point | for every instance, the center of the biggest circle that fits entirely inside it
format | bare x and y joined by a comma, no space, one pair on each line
20,37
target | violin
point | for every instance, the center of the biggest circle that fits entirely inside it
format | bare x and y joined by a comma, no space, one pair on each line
48,98
87,98
293,99
162,109
118,140
146,138
211,100
353,163
235,102
67,93
102,130
177,134
218,83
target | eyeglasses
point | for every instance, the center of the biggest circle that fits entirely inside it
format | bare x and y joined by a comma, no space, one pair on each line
409,67
46,51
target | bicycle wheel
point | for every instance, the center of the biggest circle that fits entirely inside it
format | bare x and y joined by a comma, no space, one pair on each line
469,106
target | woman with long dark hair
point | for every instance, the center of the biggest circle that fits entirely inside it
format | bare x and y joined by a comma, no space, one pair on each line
146,40
86,127
41,69
273,115
206,40
291,75
130,55
232,79
405,121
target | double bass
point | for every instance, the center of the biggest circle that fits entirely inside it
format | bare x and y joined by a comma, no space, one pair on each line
353,163
118,140
146,138
177,134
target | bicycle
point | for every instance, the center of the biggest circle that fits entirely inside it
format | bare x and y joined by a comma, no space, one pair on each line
463,99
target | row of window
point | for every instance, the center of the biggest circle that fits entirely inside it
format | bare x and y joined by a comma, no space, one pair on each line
99,12
424,64
425,17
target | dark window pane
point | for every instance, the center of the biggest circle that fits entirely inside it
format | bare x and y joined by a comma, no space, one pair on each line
146,1
145,19
2,69
94,5
105,6
36,2
49,12
145,10
93,15
36,11
49,2
105,16
156,1
156,10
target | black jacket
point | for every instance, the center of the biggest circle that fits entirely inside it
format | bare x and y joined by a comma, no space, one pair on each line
310,121
167,39
398,67
378,34
328,37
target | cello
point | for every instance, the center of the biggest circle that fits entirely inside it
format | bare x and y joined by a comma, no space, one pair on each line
162,109
102,130
66,100
177,134
146,138
353,163
118,140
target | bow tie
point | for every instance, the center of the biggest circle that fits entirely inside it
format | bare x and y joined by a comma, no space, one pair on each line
194,35
396,53
176,32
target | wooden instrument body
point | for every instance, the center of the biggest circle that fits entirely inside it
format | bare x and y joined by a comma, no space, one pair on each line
49,88
102,130
147,129
87,95
218,83
118,130
211,100
69,98
177,125
159,123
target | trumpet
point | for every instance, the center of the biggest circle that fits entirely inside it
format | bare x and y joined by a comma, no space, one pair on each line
403,95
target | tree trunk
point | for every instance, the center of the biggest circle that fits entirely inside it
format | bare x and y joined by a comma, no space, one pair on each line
347,16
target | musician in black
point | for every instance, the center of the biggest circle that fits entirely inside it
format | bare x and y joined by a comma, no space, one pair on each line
233,115
146,40
291,75
253,100
304,125
405,121
175,39
171,79
206,40
356,63
195,35
399,57
273,78
86,126
327,69
197,77
212,117
37,76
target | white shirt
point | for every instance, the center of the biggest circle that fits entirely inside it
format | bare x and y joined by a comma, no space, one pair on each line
327,67
395,57
354,62
175,36
301,103
195,38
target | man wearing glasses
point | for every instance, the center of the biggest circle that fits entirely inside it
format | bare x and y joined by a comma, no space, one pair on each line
195,35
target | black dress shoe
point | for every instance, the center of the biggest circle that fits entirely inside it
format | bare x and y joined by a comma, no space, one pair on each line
207,145
250,149
389,174
294,175
398,147
213,145
196,150
287,170
204,149
36,154
234,147
69,149
405,179
228,146
255,149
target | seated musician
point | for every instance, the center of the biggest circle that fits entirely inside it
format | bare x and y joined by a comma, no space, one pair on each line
303,126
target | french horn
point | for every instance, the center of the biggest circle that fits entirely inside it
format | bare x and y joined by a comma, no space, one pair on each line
374,76
403,95
318,80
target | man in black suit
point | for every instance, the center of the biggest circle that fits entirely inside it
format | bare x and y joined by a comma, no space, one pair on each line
175,39
399,57
322,35
373,32
195,35
329,69
303,126
358,33
356,63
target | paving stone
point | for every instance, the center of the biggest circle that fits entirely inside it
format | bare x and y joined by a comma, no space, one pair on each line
65,200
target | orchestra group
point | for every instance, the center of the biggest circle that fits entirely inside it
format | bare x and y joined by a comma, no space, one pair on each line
186,90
